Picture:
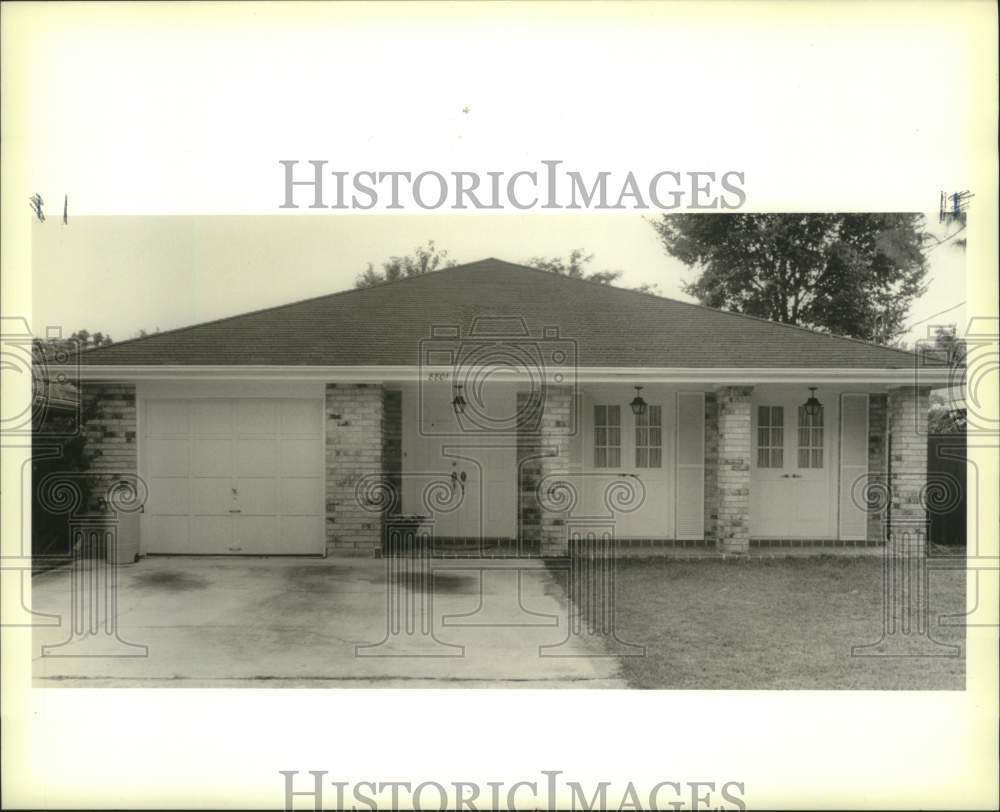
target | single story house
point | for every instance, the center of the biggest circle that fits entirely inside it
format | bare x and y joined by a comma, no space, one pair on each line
500,402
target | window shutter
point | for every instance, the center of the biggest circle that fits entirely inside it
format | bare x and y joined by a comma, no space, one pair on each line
853,464
690,465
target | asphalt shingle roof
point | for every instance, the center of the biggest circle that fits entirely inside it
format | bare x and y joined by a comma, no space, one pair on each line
386,325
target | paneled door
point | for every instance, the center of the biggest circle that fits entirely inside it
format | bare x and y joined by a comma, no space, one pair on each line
475,468
790,468
627,461
233,476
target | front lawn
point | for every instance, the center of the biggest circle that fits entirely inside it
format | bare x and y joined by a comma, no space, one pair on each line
774,623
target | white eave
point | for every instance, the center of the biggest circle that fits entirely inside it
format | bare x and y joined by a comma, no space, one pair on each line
375,374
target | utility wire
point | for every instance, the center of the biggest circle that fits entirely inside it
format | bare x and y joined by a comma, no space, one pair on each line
938,243
935,315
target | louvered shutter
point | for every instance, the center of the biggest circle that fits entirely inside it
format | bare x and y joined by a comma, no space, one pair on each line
690,466
853,465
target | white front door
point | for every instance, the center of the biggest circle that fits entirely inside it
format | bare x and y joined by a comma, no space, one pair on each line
626,461
790,464
456,468
233,476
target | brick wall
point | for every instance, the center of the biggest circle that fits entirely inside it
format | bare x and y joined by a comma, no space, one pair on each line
354,430
733,523
110,431
907,409
711,465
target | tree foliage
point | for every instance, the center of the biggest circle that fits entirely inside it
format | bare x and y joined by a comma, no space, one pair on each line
429,258
849,274
575,267
945,415
58,442
80,340
424,259
949,345
87,339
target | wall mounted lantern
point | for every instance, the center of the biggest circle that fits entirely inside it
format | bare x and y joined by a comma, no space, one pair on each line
638,404
812,406
458,402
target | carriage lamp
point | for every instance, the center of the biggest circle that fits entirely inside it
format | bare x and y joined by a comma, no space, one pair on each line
812,406
458,402
638,404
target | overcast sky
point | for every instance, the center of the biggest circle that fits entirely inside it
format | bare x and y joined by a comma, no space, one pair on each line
118,275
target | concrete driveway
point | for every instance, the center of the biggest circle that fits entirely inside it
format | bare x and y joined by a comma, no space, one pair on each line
304,622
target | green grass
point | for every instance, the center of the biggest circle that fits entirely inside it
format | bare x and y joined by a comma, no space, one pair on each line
783,623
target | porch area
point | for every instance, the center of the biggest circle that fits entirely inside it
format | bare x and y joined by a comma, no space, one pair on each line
504,470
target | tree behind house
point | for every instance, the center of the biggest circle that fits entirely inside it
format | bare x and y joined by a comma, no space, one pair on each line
575,267
946,416
429,258
849,274
424,259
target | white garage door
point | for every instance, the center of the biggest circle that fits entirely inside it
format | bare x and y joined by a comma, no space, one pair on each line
233,476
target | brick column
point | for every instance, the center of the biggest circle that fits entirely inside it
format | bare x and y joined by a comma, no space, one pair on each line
529,473
907,424
354,430
110,429
554,437
392,447
876,460
733,469
711,466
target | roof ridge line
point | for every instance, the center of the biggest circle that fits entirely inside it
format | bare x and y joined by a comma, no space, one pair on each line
302,301
297,302
607,286
515,265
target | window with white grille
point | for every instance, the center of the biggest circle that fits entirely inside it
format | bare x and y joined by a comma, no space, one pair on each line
770,436
607,436
649,438
810,438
